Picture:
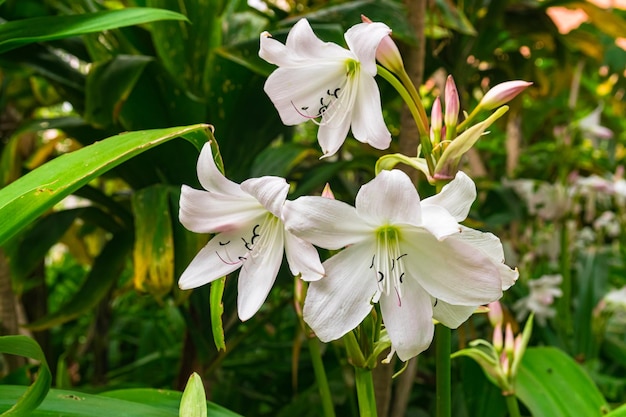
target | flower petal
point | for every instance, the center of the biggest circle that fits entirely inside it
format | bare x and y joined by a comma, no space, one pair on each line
451,270
339,302
450,315
213,261
271,192
491,246
259,270
303,258
205,212
368,125
329,224
211,178
439,222
332,135
457,196
408,320
389,198
363,39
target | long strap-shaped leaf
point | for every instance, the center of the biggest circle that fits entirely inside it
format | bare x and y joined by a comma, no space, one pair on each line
34,395
21,32
34,193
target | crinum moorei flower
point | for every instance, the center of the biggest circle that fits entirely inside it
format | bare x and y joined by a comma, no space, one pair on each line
334,86
410,256
249,234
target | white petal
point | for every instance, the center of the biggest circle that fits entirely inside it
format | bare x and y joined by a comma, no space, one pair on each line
439,222
205,212
408,320
259,271
213,261
491,246
307,45
450,315
368,125
303,258
274,51
329,224
299,94
211,178
339,302
457,196
363,40
271,192
451,270
389,198
332,135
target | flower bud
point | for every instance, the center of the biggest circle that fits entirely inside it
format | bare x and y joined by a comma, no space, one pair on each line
327,192
387,53
453,105
495,313
502,94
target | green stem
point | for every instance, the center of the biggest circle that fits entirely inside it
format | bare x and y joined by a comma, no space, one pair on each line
512,405
320,377
408,84
443,340
365,392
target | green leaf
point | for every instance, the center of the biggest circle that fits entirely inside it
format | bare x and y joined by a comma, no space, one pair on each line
547,380
103,275
217,309
618,412
34,193
193,402
28,399
108,86
153,254
21,32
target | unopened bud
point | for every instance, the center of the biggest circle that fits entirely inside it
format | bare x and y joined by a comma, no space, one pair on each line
495,313
453,105
387,52
327,192
502,94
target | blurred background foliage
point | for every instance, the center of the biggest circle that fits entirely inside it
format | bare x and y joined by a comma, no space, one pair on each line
94,280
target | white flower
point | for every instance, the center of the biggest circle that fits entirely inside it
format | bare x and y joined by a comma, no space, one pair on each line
539,300
247,221
413,257
321,80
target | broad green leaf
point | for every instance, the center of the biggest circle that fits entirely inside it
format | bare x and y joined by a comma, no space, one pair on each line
551,384
27,399
193,402
21,32
618,412
153,254
62,403
34,193
108,86
280,160
103,275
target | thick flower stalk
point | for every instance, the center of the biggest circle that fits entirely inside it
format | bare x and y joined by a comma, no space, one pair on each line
249,234
331,85
410,256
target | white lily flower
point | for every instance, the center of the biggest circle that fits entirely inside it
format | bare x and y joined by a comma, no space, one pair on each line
322,80
249,234
413,257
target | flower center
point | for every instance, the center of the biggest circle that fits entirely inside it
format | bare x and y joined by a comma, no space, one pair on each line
252,240
388,263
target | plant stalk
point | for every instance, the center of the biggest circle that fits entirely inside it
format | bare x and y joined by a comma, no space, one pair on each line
365,392
320,376
443,338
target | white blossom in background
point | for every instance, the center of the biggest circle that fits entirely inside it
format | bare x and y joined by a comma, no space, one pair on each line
540,299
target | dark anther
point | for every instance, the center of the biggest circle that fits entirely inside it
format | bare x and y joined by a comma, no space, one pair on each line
305,108
436,301
401,277
246,244
393,263
243,258
254,233
224,243
372,265
382,276
401,256
335,93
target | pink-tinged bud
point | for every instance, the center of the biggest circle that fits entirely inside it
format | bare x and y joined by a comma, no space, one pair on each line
496,317
453,105
327,192
387,53
436,118
498,339
509,340
502,94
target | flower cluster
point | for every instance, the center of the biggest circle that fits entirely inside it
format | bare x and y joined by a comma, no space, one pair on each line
408,255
